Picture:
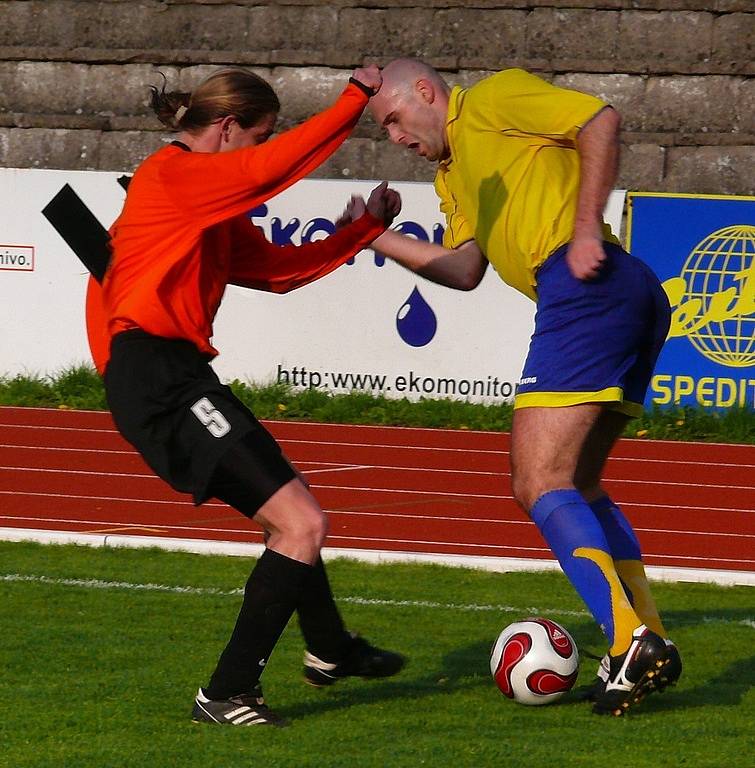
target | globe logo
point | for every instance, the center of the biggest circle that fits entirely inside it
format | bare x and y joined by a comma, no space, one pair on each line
720,277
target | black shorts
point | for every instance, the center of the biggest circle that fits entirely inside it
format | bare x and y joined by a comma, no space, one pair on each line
191,430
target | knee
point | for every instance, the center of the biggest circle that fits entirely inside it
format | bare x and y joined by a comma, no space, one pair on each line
524,491
308,526
317,528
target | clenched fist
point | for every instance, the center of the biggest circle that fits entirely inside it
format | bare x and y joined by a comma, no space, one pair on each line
369,76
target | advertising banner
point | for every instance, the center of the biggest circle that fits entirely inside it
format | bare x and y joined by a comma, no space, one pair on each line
703,249
370,325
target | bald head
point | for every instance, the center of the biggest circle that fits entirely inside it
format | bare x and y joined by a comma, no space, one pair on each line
407,72
412,105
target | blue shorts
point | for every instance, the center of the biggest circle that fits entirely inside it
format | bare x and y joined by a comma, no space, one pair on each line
595,341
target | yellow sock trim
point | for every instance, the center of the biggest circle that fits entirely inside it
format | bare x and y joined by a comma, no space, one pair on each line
625,620
632,573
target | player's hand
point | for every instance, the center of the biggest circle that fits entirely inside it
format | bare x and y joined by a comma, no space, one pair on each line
348,212
384,203
369,76
585,257
356,207
353,210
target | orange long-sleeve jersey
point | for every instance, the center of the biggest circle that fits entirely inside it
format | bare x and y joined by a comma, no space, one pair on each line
183,234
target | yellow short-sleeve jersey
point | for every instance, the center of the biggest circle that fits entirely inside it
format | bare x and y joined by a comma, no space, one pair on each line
512,178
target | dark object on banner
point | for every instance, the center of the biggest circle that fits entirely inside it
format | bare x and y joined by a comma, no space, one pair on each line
81,230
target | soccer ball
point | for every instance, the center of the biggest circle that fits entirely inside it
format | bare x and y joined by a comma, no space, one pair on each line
534,661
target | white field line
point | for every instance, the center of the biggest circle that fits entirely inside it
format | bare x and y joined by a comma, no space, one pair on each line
351,599
496,563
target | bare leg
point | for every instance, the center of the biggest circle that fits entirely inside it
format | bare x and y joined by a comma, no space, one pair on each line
600,441
548,446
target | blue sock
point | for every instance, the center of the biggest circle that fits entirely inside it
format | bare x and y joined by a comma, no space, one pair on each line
622,541
576,538
627,556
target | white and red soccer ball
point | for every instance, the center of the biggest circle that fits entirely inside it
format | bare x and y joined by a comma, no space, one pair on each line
534,661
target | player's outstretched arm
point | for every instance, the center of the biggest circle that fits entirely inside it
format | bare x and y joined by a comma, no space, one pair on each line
462,268
257,263
235,182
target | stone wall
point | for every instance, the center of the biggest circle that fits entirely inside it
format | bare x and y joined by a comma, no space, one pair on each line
73,73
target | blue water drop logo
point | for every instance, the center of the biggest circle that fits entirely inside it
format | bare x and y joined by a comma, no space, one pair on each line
415,321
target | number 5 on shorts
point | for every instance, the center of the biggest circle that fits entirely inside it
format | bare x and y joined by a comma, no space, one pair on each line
217,424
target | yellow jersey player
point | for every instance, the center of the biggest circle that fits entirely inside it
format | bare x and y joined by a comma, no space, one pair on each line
524,172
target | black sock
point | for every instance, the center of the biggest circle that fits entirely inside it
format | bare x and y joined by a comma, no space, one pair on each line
321,625
272,592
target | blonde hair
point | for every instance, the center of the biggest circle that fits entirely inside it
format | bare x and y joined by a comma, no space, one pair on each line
231,92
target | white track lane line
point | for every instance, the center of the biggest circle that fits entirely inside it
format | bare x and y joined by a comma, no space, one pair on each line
430,494
351,513
498,452
61,429
353,467
326,444
335,468
291,425
157,526
433,430
150,476
131,452
89,497
96,473
299,425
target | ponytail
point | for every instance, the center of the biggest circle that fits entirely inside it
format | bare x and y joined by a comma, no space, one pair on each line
231,92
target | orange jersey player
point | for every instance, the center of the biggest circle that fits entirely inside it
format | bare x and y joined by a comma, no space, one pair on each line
183,236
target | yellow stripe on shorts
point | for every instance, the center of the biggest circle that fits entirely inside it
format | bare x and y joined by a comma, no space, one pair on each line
614,396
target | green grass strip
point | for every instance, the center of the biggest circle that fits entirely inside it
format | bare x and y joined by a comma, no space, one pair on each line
81,387
103,650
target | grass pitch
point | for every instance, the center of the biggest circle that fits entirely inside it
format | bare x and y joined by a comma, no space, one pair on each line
102,652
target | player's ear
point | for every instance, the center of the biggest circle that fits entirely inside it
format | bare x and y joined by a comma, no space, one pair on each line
426,90
225,127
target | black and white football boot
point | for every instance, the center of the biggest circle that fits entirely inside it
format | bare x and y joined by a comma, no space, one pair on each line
244,709
634,674
670,674
362,660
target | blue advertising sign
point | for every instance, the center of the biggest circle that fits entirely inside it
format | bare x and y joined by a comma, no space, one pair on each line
703,250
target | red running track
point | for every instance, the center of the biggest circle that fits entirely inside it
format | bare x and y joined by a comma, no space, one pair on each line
386,489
